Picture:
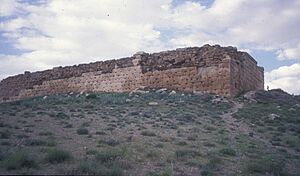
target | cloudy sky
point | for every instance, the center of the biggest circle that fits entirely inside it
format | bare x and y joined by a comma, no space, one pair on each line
41,34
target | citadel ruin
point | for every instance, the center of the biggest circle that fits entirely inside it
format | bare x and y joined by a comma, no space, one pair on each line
212,69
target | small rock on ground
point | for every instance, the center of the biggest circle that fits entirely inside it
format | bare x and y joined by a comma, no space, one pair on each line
153,103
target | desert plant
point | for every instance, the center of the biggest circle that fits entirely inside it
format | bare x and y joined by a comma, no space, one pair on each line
148,133
108,155
93,168
68,126
82,131
211,165
45,133
186,153
18,160
57,156
100,133
35,142
91,96
89,168
62,115
110,142
228,151
91,152
181,143
268,165
4,134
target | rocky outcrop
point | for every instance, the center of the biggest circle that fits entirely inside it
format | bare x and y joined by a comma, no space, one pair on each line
277,96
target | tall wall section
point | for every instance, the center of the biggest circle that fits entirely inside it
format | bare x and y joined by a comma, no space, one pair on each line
214,69
245,74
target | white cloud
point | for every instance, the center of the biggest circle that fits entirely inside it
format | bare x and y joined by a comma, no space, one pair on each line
64,33
285,77
7,7
289,53
268,25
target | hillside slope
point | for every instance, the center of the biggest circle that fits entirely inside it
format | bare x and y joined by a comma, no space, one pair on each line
152,133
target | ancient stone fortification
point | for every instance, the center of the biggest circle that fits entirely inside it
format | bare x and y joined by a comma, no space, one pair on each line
214,69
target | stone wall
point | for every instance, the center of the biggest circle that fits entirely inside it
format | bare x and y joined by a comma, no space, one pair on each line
215,69
245,74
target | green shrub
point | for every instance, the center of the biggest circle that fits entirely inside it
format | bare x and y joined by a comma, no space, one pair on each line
82,131
94,168
51,141
62,115
6,143
109,155
186,153
4,134
12,114
35,142
85,124
192,137
148,133
46,133
20,136
18,160
159,145
3,124
91,152
110,142
167,172
114,170
91,96
152,154
228,151
100,133
291,143
89,168
113,98
57,156
181,143
209,167
68,126
272,166
209,144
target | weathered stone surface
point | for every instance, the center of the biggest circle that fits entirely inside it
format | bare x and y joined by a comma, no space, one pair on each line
152,103
273,116
172,92
214,69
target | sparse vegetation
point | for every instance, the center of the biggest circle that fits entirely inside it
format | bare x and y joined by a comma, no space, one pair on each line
4,134
148,133
274,167
110,142
108,155
121,134
17,161
228,151
100,133
186,153
35,142
45,133
57,156
62,115
82,131
91,96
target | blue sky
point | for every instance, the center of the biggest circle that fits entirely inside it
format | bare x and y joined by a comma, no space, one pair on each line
41,34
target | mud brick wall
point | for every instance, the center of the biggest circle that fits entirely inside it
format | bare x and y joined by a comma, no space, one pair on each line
245,74
215,69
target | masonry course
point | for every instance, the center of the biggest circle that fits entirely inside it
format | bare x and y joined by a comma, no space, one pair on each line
212,69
